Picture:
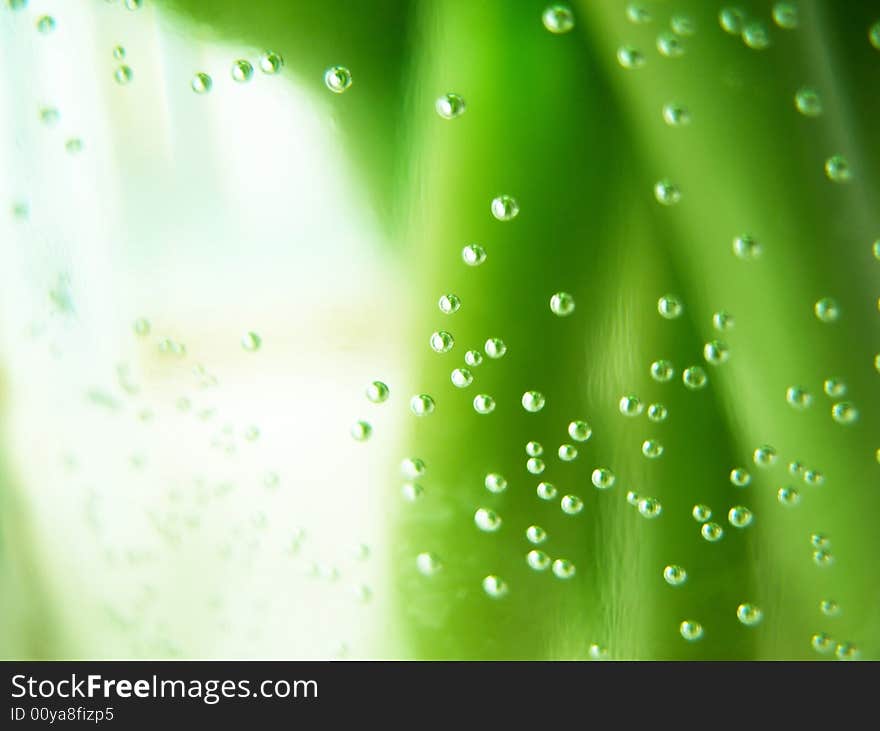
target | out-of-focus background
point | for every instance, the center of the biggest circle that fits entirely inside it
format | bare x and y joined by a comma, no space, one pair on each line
211,248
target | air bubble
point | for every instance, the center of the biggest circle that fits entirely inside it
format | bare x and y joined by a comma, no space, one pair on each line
676,115
715,352
682,25
666,192
538,560
798,397
602,478
45,24
484,404
495,586
837,169
580,431
505,208
495,483
450,106
271,62
764,456
535,465
694,378
201,83
652,449
251,342
487,520
845,412
756,35
558,19
847,651
748,614
562,304
670,45
823,559
788,496
638,14
495,348
563,568
674,575
822,643
534,449
536,535
829,608
630,406
662,371
712,532
377,392
241,71
413,467
473,255
337,79
421,404
533,401
412,491
123,75
449,304
808,102
441,341
630,58
670,307
571,504
691,630
650,507
701,513
141,327
546,491
740,516
461,377
361,431
731,20
657,413
834,387
473,358
567,452
747,247
785,15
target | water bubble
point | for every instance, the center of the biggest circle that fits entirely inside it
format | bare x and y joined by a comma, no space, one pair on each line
484,404
441,341
495,348
413,467
795,468
694,378
141,327
670,307
538,560
701,513
652,449
449,304
630,58
533,401
822,643
473,358
580,431
562,304
632,497
495,586
662,371
829,608
630,406
731,20
823,559
827,310
674,575
241,71
847,651
563,568
571,504
504,207
676,115
747,247
337,79
546,490
495,483
682,25
837,169
271,62
874,35
421,404
670,45
201,83
667,192
635,13
567,452
691,630
845,412
712,532
473,255
650,507
756,35
558,18
45,24
819,540
123,75
834,387
535,465
788,496
808,102
798,397
534,449
377,392
740,516
462,377
764,456
450,106
251,342
749,614
657,413
536,534
412,491
487,520
602,478
361,430
73,145
50,116
715,352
